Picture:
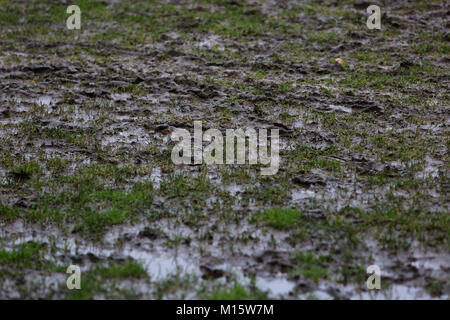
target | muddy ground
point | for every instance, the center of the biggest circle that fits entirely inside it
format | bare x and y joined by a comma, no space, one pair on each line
86,176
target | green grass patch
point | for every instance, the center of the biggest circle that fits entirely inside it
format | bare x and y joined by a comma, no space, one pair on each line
102,280
30,255
312,266
280,218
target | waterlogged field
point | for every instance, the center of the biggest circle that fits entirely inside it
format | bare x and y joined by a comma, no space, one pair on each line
86,176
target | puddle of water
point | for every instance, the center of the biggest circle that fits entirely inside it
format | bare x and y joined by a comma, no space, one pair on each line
431,169
277,287
45,101
156,177
340,108
234,189
302,194
298,124
161,265
431,127
210,42
120,96
125,137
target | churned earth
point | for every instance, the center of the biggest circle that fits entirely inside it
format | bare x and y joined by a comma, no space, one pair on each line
86,176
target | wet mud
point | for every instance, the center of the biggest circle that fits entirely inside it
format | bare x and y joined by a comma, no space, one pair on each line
86,176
